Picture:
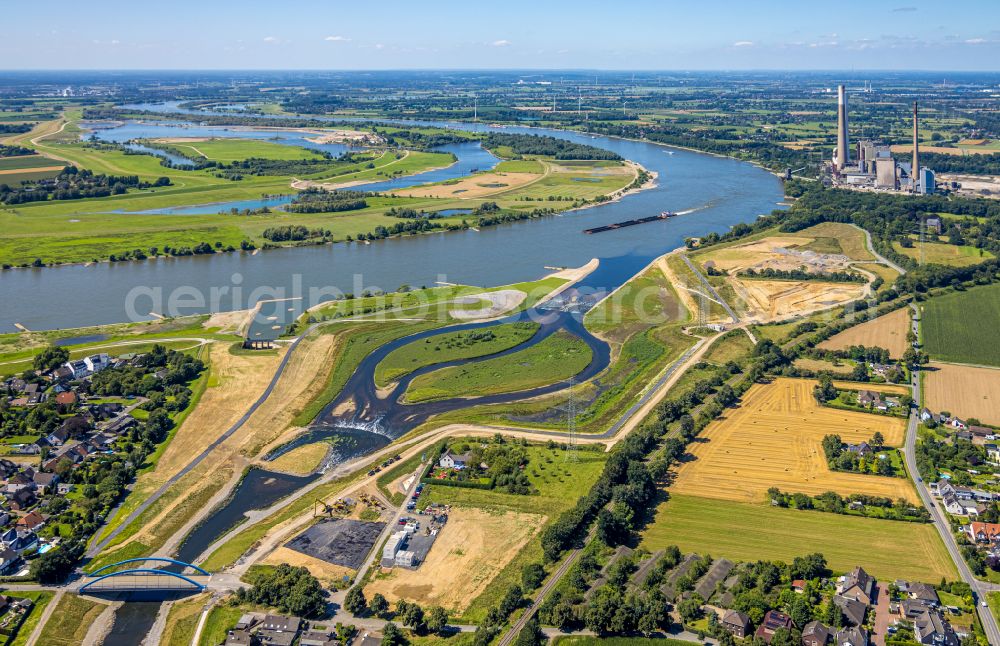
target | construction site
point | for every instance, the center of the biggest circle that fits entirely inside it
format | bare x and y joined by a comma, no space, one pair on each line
409,545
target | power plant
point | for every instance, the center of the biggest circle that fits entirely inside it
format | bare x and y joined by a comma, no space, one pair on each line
875,167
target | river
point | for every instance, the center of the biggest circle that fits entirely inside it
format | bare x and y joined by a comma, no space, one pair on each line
721,192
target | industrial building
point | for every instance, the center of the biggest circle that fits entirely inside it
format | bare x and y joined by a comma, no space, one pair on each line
873,165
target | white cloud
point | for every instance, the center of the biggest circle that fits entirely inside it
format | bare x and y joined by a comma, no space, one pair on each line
501,43
975,41
379,46
337,39
743,43
271,39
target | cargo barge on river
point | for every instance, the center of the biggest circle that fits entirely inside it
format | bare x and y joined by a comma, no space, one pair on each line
629,223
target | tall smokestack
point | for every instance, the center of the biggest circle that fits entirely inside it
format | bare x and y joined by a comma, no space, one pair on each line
916,151
843,155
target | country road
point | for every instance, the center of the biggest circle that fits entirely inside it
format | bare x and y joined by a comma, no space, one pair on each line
939,520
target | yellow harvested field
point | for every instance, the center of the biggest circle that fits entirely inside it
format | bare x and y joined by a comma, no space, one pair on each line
774,440
473,547
774,300
479,185
965,391
327,573
34,169
907,148
887,331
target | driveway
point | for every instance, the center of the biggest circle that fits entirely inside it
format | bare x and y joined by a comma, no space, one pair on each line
883,617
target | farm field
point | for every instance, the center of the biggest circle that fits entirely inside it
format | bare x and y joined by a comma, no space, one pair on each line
963,327
887,331
773,439
557,357
887,549
449,347
944,254
965,391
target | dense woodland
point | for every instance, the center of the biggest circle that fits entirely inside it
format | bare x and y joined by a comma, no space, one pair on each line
318,200
75,184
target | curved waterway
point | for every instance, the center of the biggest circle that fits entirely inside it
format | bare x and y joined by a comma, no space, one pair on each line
723,192
715,193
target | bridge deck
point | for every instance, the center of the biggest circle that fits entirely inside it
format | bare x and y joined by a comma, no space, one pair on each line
142,582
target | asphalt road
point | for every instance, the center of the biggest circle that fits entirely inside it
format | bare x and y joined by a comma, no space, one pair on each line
940,522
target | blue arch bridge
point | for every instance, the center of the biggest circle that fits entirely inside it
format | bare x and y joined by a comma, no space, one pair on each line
167,575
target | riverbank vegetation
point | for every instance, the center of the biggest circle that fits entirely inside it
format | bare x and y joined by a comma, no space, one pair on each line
553,359
451,346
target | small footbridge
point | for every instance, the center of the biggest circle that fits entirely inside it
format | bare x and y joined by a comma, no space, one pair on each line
148,574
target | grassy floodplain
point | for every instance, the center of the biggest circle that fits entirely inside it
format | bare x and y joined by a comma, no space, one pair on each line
553,359
94,229
449,347
961,326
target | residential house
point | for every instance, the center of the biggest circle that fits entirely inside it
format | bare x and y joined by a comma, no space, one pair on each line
281,624
931,628
19,540
9,562
926,415
854,610
367,639
97,362
863,449
736,623
815,634
923,593
78,369
772,622
58,437
22,499
317,638
453,460
241,638
799,586
993,453
986,533
278,630
961,507
66,398
32,520
867,397
854,636
858,585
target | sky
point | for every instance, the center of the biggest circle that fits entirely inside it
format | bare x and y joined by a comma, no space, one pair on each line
509,34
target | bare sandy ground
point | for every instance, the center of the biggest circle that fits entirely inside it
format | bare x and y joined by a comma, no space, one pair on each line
472,548
327,573
501,302
474,186
775,300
